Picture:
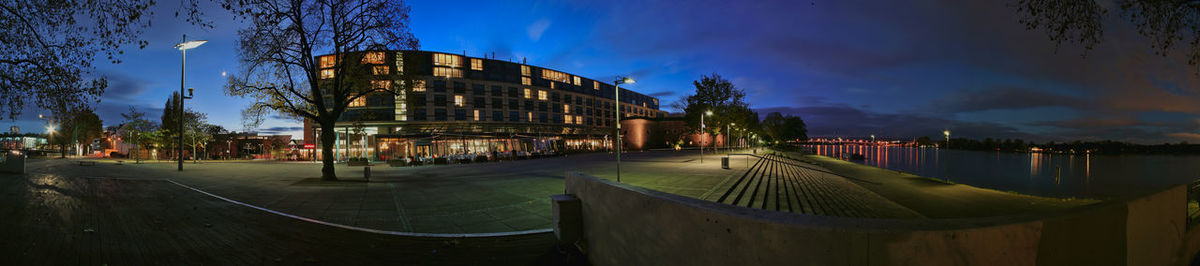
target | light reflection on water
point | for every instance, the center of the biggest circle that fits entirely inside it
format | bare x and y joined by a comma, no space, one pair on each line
1058,175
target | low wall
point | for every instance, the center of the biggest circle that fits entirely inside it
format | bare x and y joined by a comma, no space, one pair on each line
12,163
628,225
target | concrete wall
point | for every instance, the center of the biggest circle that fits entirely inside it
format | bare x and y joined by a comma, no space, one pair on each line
627,225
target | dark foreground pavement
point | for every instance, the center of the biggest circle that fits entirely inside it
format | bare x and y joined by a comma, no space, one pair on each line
48,217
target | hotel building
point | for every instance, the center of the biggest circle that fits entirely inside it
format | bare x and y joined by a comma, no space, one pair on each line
458,105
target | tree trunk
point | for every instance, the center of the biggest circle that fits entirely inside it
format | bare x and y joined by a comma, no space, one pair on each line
327,138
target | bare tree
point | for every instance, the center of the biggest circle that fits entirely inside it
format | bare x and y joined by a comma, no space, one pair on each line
47,49
278,53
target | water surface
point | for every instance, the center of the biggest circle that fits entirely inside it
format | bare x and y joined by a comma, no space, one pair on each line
1057,175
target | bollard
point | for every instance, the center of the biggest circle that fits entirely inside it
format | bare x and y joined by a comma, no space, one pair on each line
568,218
367,172
725,162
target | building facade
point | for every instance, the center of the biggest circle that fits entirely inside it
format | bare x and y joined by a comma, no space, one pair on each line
456,104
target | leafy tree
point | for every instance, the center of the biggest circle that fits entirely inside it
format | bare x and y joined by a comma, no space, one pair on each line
784,128
278,53
47,49
136,129
196,128
84,126
1165,23
169,122
726,101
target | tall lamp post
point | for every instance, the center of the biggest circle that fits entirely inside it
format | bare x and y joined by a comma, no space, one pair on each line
183,47
728,139
706,113
947,133
617,108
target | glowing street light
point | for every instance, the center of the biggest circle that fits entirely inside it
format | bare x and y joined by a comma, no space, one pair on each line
617,107
947,133
183,47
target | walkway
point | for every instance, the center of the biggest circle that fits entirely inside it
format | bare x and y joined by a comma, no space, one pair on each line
779,184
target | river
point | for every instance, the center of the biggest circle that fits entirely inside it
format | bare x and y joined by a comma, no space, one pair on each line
1045,174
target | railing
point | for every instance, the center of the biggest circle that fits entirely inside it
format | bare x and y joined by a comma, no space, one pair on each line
1193,204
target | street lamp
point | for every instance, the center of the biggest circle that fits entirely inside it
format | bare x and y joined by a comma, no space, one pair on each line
947,133
183,47
872,139
728,133
617,108
706,113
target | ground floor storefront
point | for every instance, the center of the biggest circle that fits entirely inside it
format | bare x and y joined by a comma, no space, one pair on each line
373,146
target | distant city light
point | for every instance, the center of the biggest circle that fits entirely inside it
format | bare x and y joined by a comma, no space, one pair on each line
222,73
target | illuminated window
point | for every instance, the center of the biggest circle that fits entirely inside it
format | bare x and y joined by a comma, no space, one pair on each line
566,108
380,70
542,95
449,60
525,70
555,76
447,72
595,85
551,85
328,61
458,100
326,73
373,58
418,86
530,115
476,115
567,119
476,64
528,93
381,84
526,81
578,81
358,102
579,120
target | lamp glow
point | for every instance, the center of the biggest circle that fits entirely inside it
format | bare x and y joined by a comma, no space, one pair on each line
189,44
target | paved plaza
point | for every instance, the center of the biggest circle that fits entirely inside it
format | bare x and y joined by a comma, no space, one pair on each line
440,199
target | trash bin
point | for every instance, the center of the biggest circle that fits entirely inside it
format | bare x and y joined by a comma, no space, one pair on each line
725,162
367,173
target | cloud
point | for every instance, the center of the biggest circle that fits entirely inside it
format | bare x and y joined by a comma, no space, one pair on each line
845,120
537,28
1005,98
1186,136
661,94
278,130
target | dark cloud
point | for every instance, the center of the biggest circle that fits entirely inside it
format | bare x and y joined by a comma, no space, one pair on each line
847,121
661,94
1003,98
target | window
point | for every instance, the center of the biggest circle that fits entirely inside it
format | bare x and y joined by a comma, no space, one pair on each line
530,115
381,84
497,116
528,93
542,95
512,92
439,100
497,91
512,117
555,76
497,103
566,108
418,86
439,114
512,104
578,120
476,64
595,85
326,73
542,118
440,59
526,81
460,87
358,102
477,89
578,81
566,119
380,70
447,72
525,70
328,61
419,114
551,85
460,115
480,102
458,100
373,58
476,114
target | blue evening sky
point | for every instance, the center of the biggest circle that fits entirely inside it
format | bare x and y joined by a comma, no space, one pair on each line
898,69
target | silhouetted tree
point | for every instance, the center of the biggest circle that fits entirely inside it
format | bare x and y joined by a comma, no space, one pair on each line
1165,23
278,53
136,129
